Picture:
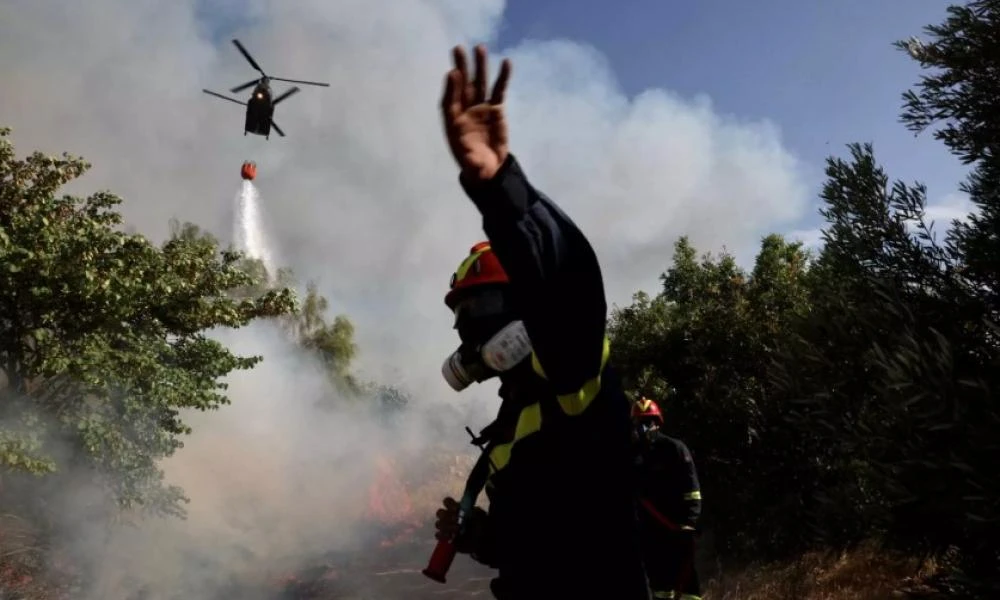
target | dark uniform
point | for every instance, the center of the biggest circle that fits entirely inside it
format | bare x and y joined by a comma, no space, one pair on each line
670,504
562,519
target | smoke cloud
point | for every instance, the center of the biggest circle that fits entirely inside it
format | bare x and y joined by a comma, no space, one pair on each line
363,198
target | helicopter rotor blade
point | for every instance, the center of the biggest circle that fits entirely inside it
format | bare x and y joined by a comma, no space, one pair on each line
246,55
211,93
275,127
300,81
244,86
285,95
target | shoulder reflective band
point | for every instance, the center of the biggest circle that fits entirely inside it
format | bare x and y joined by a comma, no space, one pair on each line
695,495
575,403
530,419
528,422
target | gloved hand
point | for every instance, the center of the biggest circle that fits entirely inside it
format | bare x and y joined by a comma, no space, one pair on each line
447,526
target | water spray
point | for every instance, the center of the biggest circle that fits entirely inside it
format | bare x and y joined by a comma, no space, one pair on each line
248,229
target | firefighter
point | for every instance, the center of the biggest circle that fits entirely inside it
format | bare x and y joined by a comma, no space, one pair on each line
670,505
530,310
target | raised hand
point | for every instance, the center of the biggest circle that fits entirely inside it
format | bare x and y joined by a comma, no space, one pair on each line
475,125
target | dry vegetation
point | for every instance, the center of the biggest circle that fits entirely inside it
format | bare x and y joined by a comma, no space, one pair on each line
866,573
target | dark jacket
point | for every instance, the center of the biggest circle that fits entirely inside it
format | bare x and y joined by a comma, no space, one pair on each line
668,480
562,519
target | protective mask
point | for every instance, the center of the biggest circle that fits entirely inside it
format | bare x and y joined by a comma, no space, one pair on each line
502,352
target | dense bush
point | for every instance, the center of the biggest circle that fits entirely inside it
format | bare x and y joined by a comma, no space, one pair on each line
852,395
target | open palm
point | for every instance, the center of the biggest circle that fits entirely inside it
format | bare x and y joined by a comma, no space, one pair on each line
474,125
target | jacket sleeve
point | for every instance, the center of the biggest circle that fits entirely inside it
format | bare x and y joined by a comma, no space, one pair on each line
690,486
555,279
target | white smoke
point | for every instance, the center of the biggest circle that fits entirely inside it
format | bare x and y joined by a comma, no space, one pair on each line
362,197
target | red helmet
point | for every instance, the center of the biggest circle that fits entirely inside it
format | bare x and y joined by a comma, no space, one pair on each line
647,409
480,268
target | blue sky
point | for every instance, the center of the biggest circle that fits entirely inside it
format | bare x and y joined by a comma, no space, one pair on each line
824,72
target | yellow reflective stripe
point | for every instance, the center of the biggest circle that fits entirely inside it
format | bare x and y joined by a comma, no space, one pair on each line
463,269
537,366
500,456
689,597
667,595
575,403
695,495
529,421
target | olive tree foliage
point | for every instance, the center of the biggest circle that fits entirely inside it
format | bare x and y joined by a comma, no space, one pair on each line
103,335
332,343
898,366
329,341
855,395
701,348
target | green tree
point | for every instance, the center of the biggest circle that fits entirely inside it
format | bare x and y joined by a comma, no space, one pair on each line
331,342
702,348
896,368
103,334
960,98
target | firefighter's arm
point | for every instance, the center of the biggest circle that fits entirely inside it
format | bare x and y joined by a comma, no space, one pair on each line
555,279
692,487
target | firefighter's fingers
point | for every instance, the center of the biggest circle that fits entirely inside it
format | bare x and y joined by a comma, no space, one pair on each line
450,503
500,87
480,82
462,79
446,527
446,523
451,99
444,515
444,536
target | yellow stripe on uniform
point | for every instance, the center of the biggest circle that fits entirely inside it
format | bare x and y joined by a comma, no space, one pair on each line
695,495
530,419
528,422
575,403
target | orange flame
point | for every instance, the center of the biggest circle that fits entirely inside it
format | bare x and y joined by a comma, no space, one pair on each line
388,500
389,503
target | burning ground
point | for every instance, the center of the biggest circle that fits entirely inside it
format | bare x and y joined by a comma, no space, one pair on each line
294,494
391,542
376,553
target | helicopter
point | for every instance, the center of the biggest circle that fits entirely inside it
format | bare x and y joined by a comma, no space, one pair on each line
260,106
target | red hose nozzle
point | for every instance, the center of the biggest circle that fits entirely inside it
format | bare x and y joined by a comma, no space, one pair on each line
440,562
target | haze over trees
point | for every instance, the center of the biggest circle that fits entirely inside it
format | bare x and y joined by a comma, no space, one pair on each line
830,397
851,394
